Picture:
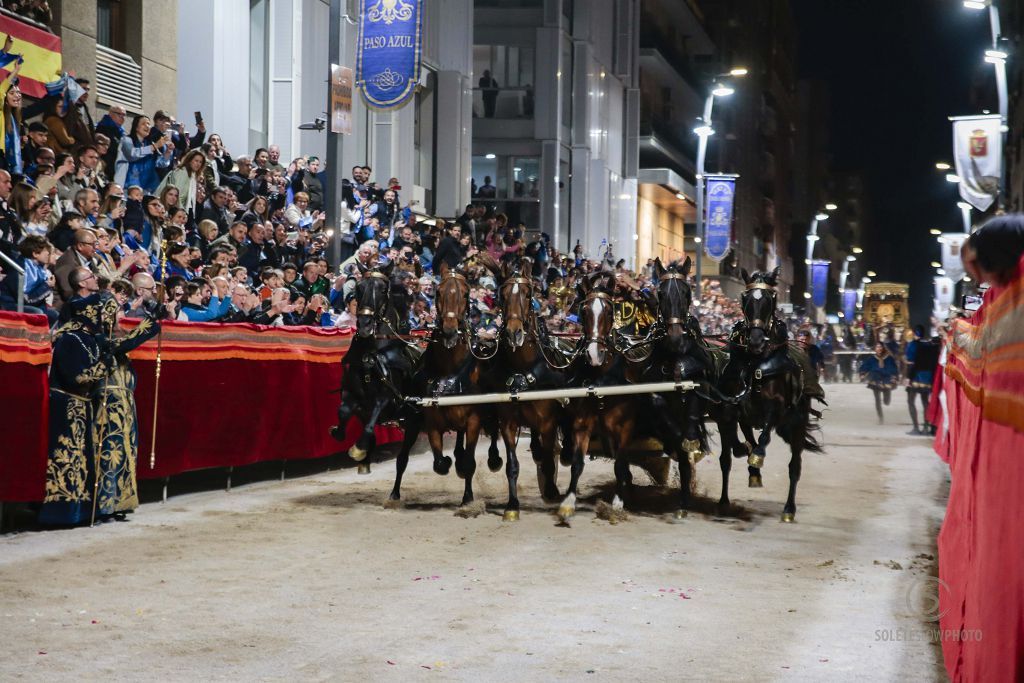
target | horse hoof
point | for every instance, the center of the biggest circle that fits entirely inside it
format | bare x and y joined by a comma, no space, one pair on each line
494,464
754,481
567,509
510,516
695,457
788,517
755,460
357,453
443,465
364,468
679,515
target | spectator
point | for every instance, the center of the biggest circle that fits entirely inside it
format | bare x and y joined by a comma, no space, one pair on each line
82,255
10,126
58,139
215,209
184,179
112,127
138,158
196,311
304,179
489,93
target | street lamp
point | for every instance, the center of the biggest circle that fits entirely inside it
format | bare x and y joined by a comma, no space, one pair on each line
952,178
845,272
935,231
996,57
872,273
812,238
942,166
831,207
705,131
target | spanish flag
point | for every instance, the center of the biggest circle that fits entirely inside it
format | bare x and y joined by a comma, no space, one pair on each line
41,51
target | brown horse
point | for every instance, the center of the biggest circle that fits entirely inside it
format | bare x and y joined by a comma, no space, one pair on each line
518,366
613,418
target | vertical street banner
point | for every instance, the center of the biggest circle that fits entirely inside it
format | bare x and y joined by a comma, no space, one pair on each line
978,151
388,52
819,281
952,243
341,99
721,190
849,304
944,289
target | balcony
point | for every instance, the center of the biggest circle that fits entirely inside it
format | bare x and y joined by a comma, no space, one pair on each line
665,144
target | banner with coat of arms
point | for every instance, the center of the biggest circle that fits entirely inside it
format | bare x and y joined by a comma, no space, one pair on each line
977,149
718,233
388,52
952,243
849,304
944,289
819,281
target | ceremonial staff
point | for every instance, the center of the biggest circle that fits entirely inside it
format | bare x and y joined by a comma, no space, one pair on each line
98,462
159,348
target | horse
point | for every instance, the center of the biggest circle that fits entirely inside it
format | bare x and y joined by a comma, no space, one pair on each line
598,362
379,365
778,398
520,364
449,366
678,355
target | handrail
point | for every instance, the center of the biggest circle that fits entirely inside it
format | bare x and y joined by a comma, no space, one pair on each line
21,280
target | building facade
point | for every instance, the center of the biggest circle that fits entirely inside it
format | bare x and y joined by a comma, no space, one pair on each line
555,118
127,50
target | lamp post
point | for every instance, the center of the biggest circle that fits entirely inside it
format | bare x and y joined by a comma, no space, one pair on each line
705,131
965,213
812,238
845,272
996,56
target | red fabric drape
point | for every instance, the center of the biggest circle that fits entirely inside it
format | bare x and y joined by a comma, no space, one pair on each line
237,412
24,406
981,562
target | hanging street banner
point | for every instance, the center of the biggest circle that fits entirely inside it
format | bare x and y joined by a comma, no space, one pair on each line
944,289
388,52
952,243
341,99
819,281
721,191
849,304
977,149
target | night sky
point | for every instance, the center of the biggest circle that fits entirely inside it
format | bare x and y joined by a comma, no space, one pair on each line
896,70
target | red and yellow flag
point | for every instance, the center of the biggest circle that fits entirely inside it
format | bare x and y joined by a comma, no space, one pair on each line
41,50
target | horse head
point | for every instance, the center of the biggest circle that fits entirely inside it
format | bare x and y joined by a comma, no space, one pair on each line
674,300
597,315
452,301
758,302
516,293
373,294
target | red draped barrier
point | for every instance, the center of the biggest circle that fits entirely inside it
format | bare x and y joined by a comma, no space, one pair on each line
230,394
239,394
24,401
980,560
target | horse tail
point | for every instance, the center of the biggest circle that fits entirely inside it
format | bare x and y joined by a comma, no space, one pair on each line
792,420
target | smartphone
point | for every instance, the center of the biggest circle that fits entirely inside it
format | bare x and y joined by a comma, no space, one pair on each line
199,117
971,302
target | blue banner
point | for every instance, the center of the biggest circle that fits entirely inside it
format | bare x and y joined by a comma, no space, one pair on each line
850,304
388,52
819,281
718,231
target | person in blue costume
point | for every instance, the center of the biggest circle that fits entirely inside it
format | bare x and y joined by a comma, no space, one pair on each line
90,430
882,375
922,356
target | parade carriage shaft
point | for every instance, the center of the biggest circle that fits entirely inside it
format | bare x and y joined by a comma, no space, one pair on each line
563,394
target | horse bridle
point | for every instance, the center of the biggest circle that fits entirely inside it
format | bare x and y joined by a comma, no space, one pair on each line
608,340
373,274
672,321
518,280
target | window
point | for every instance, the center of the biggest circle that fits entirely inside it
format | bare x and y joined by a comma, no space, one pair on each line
259,57
511,185
110,24
505,78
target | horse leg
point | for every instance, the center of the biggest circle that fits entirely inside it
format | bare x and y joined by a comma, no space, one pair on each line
460,452
756,458
685,478
727,434
795,464
693,408
364,445
547,466
582,428
509,435
743,450
493,456
566,428
469,457
344,415
412,432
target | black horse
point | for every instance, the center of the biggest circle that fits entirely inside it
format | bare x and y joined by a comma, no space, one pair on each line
379,365
780,380
679,354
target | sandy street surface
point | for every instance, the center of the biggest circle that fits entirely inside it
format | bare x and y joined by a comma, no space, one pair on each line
312,579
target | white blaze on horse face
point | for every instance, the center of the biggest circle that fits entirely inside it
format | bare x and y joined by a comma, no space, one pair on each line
594,348
756,294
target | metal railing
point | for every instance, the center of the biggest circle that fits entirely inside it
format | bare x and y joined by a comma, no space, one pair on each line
118,79
21,280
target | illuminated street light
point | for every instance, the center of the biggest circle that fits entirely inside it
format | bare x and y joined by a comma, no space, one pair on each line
721,90
975,4
831,207
705,131
738,71
935,231
858,250
940,271
942,166
851,258
821,216
872,273
935,264
952,178
995,56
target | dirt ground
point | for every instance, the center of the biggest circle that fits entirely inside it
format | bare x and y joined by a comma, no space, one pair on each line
312,579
